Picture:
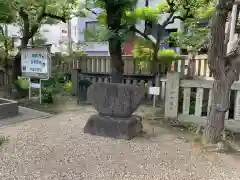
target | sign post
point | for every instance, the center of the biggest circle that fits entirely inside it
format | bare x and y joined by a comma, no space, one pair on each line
36,64
155,91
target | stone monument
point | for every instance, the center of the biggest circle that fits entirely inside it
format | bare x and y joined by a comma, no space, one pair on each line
115,104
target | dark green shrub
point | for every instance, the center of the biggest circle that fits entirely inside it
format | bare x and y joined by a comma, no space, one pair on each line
20,88
47,96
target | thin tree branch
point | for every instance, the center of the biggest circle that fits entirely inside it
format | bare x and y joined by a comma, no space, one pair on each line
36,25
53,16
40,17
171,19
91,11
166,22
134,29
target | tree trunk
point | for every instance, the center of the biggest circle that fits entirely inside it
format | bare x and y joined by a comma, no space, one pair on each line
114,20
223,73
16,71
220,105
117,64
154,64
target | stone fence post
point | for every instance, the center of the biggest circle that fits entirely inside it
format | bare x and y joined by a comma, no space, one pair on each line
172,95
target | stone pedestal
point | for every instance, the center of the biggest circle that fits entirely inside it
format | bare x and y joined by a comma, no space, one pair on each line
119,128
115,104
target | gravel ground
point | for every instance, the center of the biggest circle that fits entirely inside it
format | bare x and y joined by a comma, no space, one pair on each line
57,149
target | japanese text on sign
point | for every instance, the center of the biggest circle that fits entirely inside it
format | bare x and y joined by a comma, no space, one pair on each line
35,61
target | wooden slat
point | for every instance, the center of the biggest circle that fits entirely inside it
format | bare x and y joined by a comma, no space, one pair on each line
103,65
199,101
205,67
93,65
196,68
89,65
186,100
108,65
163,88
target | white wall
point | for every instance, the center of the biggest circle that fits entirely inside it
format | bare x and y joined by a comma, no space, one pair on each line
52,33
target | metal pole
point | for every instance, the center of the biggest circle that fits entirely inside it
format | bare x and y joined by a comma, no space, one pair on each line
154,106
40,92
29,89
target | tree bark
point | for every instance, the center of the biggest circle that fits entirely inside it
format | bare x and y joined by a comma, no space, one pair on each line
224,74
114,18
220,105
117,64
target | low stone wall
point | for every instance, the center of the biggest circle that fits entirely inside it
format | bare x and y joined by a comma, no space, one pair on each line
8,108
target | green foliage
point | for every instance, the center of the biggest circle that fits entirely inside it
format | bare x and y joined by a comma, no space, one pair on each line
167,55
96,33
68,87
22,83
143,52
117,13
195,36
190,11
55,86
6,12
38,39
31,14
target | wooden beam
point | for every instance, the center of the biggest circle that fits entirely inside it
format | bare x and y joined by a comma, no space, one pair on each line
230,124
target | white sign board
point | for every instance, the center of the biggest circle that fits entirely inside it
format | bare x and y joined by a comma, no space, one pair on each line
154,90
35,62
35,85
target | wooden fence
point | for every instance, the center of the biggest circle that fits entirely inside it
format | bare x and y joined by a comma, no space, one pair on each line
5,83
144,81
190,100
102,64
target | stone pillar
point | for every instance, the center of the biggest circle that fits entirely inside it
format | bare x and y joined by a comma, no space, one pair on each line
172,95
74,79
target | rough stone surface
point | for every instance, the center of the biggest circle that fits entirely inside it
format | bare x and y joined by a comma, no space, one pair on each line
116,100
119,128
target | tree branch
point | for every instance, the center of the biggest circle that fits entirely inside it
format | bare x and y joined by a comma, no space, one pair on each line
53,16
40,17
36,25
91,11
166,22
171,19
134,29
